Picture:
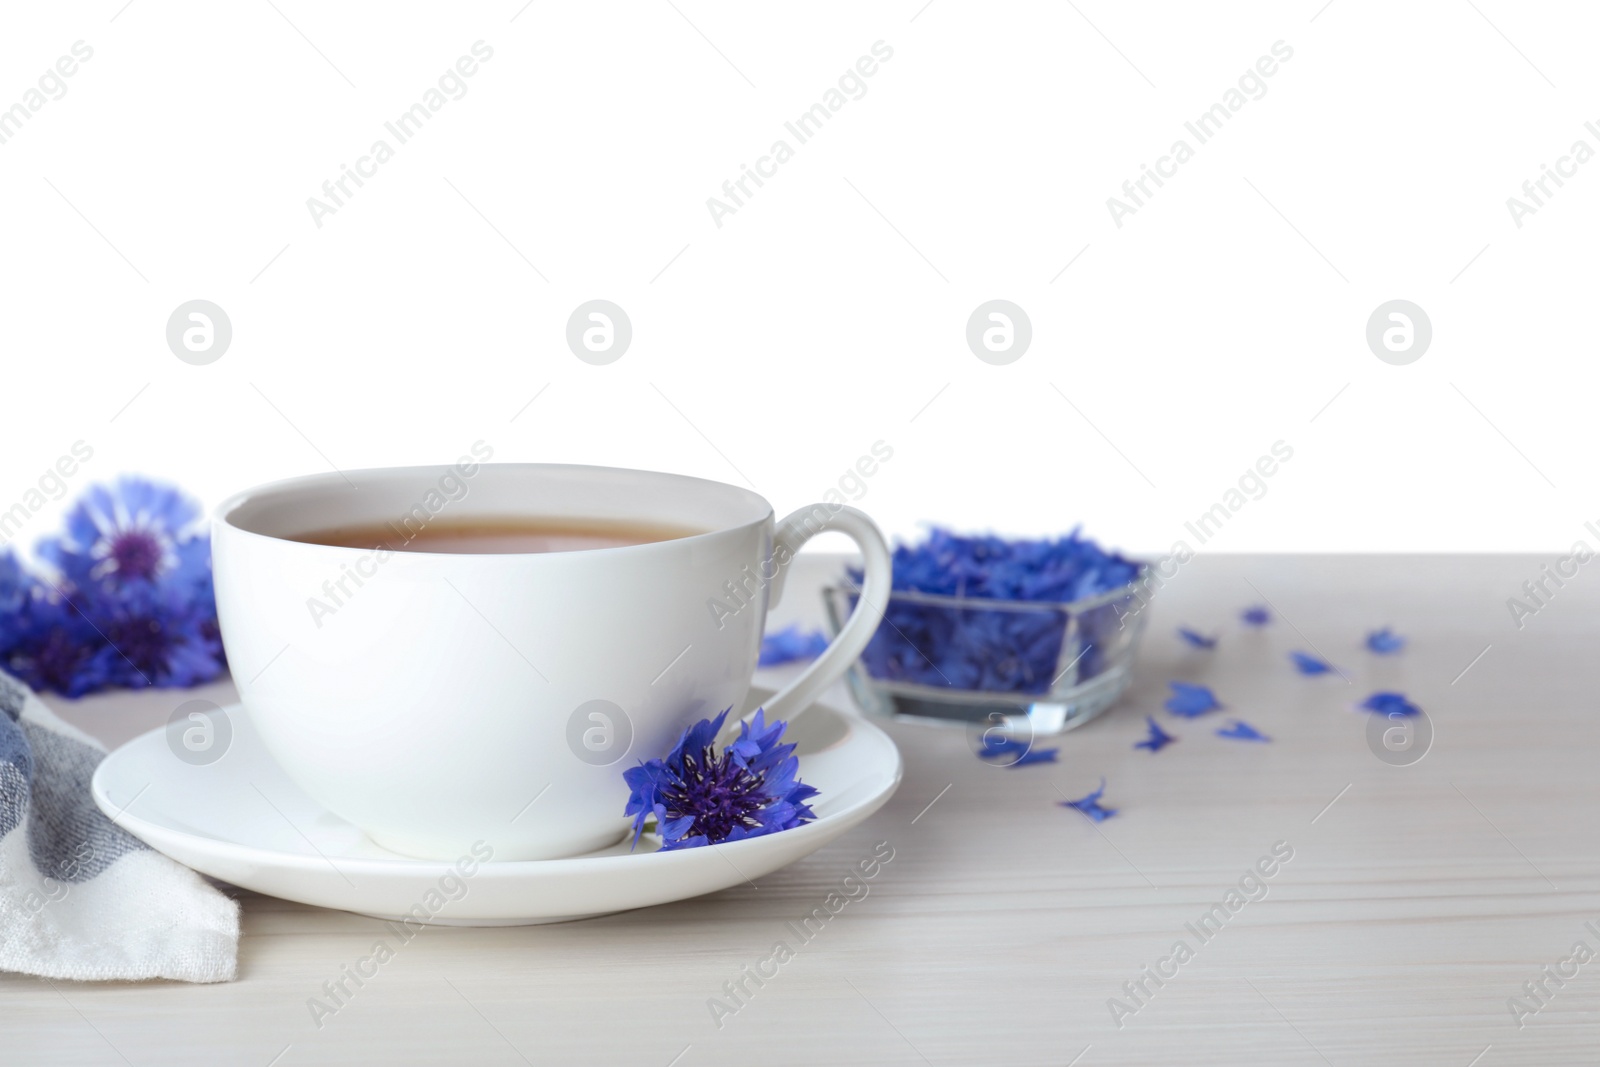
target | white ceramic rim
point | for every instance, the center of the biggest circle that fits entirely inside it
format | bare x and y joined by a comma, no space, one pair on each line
223,515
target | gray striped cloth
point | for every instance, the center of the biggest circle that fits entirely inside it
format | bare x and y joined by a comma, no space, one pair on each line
81,898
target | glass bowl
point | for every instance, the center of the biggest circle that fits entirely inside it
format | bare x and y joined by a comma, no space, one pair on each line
1029,667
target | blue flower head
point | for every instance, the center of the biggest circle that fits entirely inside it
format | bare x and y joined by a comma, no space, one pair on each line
51,646
1190,701
164,640
131,602
700,797
130,537
1385,642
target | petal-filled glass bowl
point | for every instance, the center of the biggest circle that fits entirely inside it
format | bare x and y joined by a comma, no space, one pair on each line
1031,667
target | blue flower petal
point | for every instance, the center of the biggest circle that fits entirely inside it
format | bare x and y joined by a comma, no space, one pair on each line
1090,805
1198,640
1306,663
1158,738
792,644
1190,701
1389,704
996,650
1256,616
1009,752
996,744
1242,731
1385,642
674,829
16,586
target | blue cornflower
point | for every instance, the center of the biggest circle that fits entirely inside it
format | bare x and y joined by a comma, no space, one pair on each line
1306,663
1158,738
1198,640
162,639
1191,700
16,595
699,797
1389,704
1385,642
51,646
1009,752
1091,806
15,588
1242,731
131,602
1256,616
128,537
791,645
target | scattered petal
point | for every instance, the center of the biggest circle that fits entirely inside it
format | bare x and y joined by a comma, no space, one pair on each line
1242,731
1256,616
1389,704
1158,738
1198,640
995,744
1306,663
792,644
1009,752
1090,805
1190,701
1385,642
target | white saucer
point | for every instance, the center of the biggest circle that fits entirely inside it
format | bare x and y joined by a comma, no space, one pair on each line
241,820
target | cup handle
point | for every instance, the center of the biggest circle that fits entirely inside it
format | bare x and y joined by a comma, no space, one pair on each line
790,534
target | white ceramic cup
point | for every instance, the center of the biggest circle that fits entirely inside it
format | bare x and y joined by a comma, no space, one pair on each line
435,699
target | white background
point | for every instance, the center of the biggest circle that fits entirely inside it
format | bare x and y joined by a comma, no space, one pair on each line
831,309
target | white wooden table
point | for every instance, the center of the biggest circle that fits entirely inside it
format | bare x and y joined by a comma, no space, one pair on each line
1419,899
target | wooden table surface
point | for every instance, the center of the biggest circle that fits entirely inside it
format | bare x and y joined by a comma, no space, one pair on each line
1418,900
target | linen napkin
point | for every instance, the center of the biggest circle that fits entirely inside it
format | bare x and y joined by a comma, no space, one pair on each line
80,897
